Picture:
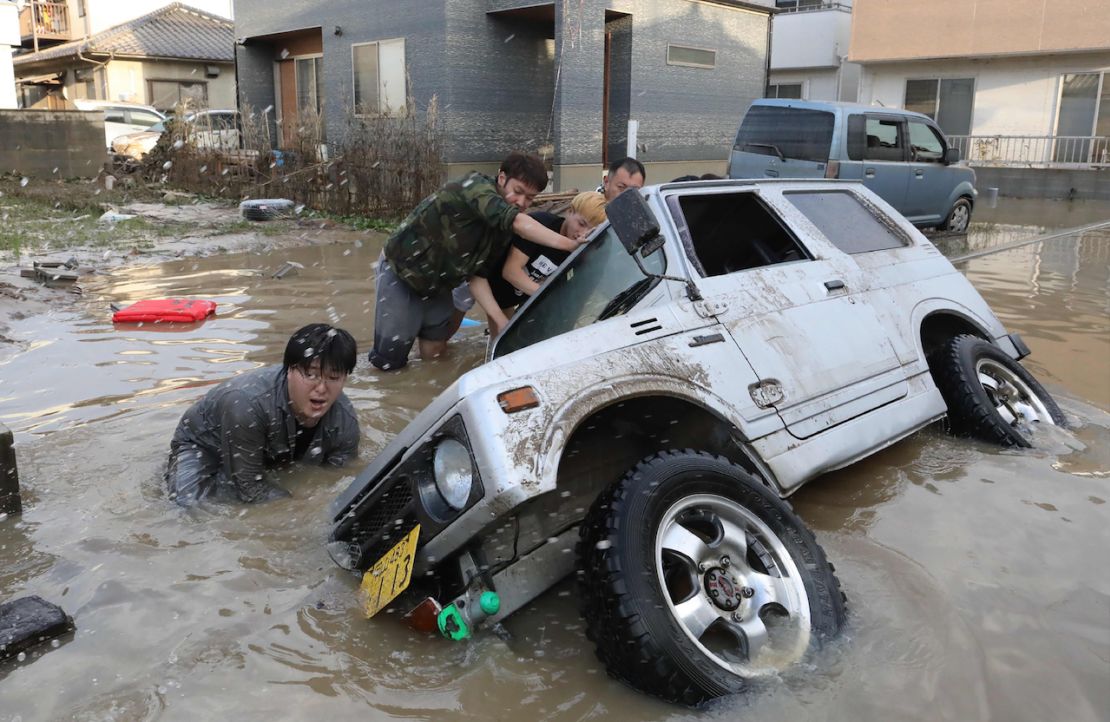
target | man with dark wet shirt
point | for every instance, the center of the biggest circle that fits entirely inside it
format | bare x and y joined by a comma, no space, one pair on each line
268,417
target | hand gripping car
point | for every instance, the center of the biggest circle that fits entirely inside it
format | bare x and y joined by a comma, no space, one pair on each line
714,347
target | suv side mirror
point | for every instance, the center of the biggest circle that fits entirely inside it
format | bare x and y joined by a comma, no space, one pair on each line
633,221
952,156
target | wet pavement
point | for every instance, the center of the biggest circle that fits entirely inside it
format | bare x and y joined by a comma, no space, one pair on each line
977,578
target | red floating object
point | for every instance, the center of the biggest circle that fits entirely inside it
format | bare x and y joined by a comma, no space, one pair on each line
165,310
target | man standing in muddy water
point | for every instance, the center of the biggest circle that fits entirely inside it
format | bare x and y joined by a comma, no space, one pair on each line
265,418
452,234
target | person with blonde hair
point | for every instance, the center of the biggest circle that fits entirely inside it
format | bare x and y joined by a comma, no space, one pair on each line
528,264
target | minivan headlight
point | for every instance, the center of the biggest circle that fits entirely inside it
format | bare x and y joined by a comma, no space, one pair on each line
453,472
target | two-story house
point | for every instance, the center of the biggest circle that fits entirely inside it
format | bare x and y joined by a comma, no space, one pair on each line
1020,81
564,75
108,50
809,51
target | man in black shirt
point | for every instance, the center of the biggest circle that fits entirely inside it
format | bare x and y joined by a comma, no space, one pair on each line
527,265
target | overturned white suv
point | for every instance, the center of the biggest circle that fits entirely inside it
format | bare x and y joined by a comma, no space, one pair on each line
714,347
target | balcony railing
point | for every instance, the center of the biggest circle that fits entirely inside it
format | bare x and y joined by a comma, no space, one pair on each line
1034,151
805,8
40,21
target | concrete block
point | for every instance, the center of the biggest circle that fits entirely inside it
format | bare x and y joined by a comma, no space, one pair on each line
30,621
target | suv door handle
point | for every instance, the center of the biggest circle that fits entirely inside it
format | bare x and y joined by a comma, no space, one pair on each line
834,285
919,172
868,172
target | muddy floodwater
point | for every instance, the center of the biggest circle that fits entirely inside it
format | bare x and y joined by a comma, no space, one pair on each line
978,579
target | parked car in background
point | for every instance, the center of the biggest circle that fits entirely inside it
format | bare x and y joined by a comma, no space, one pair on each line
204,129
715,346
900,155
122,118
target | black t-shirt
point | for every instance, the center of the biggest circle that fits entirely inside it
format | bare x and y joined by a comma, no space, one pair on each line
542,261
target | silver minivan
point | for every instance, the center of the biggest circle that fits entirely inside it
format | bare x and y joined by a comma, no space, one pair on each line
902,156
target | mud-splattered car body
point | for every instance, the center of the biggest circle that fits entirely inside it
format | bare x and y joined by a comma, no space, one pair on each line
787,328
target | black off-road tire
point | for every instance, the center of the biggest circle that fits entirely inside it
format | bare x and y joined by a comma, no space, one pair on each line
975,411
629,618
959,218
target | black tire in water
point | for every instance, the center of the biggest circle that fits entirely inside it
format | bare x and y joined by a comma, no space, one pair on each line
989,395
694,577
959,218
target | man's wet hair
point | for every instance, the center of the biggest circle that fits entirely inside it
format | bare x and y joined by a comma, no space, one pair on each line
335,348
630,164
526,168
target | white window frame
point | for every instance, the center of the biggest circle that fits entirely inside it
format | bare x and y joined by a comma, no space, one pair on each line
803,84
383,96
691,65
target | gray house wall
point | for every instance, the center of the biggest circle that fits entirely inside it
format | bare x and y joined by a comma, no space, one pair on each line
689,116
500,74
534,79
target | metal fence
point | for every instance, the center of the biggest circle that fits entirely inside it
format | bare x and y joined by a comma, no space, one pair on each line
1034,151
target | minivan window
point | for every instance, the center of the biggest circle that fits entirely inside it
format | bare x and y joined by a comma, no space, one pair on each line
797,133
884,139
925,144
846,222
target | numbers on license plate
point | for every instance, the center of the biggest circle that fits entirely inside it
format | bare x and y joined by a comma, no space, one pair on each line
389,576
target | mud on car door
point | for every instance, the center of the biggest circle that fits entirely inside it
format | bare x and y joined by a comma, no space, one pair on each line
819,350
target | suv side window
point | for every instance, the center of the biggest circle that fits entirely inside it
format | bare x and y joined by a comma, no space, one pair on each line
846,221
729,232
884,139
114,115
925,144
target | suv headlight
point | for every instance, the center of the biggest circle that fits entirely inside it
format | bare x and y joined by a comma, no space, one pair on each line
453,473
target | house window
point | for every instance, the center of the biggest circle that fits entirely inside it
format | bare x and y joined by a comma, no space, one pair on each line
80,8
691,57
167,94
948,101
310,84
785,90
1084,110
379,77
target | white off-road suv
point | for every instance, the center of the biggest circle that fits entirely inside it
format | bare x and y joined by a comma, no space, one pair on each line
715,346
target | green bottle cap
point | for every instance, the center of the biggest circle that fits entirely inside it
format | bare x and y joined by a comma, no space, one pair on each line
489,602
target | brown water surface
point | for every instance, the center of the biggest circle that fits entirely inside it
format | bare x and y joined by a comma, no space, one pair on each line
978,579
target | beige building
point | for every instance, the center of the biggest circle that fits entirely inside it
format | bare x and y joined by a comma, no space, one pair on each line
1022,81
176,53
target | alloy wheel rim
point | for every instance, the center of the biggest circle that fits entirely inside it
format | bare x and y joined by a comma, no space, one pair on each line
1014,401
960,218
732,586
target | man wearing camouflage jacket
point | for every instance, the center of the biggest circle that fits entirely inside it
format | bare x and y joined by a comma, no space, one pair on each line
450,236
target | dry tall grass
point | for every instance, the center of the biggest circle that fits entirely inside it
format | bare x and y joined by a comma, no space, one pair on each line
380,166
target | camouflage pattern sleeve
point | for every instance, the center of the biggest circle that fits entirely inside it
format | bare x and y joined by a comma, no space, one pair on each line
480,193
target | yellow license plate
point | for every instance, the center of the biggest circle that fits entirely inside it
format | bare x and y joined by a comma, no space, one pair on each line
389,576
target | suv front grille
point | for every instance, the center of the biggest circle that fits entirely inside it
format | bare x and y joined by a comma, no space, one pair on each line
387,520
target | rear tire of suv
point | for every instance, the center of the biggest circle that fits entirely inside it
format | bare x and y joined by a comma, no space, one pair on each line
959,218
693,577
989,395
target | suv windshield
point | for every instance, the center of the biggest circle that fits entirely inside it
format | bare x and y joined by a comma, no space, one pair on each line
788,132
598,282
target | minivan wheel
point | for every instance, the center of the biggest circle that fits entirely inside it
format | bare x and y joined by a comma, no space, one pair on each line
959,218
694,577
989,395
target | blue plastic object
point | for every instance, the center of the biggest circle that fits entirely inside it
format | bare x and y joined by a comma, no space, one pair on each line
470,323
